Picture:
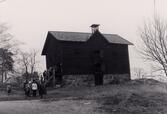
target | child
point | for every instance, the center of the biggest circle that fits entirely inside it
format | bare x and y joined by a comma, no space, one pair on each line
34,88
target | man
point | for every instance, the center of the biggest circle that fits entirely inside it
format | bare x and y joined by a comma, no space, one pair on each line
9,88
27,89
41,89
34,88
59,73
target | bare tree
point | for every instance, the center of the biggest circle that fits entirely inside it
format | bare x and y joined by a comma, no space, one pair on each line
28,62
7,50
7,41
6,63
33,60
154,38
5,37
25,61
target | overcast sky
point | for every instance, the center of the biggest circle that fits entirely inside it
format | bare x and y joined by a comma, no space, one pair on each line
30,20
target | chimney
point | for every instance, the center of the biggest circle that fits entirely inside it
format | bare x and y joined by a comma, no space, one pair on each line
95,27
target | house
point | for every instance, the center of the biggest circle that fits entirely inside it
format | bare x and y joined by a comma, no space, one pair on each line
79,52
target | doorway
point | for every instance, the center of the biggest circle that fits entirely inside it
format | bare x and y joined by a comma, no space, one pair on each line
97,67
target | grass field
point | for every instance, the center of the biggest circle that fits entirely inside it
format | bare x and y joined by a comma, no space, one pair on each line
145,96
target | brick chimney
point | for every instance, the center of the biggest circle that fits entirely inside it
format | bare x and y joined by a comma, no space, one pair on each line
95,27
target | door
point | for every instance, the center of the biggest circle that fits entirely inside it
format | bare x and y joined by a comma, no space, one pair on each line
97,66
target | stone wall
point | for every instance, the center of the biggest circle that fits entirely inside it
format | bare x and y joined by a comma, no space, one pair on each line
78,80
115,78
88,80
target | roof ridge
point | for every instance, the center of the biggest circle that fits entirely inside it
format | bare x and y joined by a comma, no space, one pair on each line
83,36
70,32
82,32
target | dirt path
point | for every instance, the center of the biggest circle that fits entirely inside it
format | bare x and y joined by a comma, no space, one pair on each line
49,107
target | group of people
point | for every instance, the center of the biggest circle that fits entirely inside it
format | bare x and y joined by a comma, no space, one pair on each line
54,75
31,88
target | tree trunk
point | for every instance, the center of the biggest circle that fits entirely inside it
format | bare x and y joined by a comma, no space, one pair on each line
26,74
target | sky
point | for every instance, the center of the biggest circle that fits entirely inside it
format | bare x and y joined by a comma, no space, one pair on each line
30,20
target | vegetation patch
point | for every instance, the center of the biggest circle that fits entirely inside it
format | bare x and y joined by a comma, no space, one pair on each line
134,103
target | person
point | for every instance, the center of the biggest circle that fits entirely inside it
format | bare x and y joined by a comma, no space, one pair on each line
59,73
27,89
45,90
24,86
45,75
34,88
9,89
98,73
41,89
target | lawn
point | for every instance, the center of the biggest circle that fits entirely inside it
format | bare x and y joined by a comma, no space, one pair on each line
144,96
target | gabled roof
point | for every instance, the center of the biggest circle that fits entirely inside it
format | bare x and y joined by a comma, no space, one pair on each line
83,37
70,36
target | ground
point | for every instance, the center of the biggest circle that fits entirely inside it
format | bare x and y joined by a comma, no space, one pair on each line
48,107
144,96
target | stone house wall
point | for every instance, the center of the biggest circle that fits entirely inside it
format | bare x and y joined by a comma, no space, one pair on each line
88,80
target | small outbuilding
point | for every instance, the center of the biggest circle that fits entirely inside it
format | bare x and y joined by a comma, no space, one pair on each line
83,53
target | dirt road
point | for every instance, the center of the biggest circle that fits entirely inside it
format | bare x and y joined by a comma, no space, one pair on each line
49,107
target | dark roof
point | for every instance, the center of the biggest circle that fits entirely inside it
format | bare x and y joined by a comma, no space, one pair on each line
70,36
83,37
